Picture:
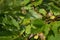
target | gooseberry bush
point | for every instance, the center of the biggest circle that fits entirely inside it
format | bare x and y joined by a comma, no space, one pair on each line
29,19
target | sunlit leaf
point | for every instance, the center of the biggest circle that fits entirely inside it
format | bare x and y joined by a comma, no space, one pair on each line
28,29
42,11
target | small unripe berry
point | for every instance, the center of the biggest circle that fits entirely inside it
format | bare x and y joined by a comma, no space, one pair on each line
36,37
52,17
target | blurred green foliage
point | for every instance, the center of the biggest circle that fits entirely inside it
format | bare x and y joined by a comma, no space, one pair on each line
23,19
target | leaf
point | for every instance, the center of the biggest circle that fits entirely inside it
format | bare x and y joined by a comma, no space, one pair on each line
55,26
56,12
35,14
14,3
46,29
38,23
28,29
27,7
55,9
15,23
57,37
43,11
5,38
26,21
33,26
6,20
38,2
24,2
22,32
51,38
6,35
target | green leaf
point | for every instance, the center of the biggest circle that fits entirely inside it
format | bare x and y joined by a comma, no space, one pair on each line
24,2
51,37
15,23
38,2
6,20
35,14
22,32
5,38
33,26
55,9
6,35
38,23
56,12
27,7
57,37
46,29
26,21
28,29
43,11
55,26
